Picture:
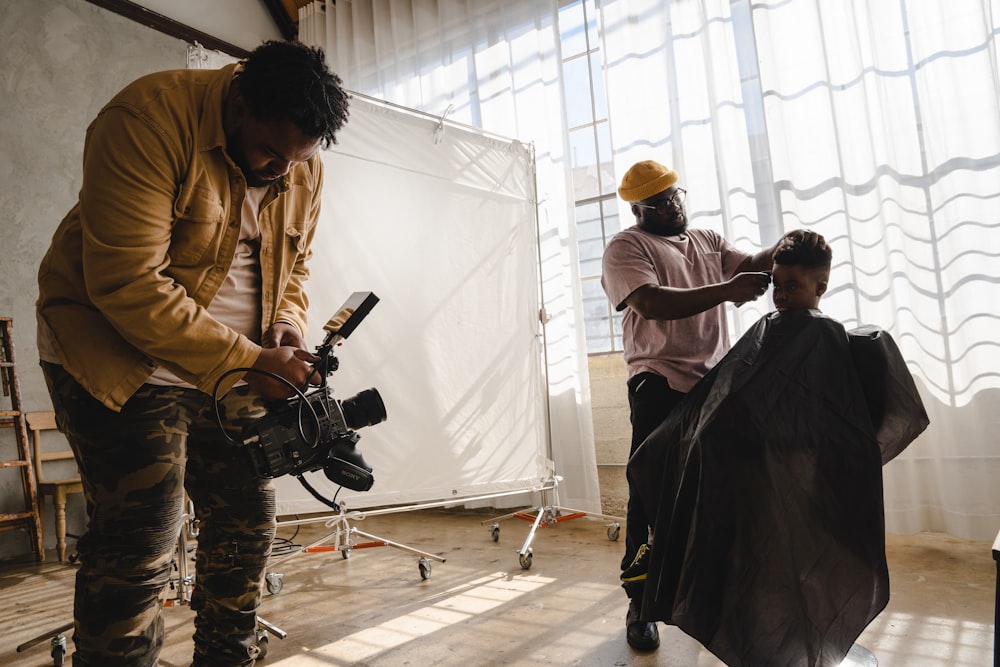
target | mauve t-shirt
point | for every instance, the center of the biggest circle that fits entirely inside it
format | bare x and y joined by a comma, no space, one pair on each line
682,350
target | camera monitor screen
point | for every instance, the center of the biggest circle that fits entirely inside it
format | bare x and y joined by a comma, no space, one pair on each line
349,315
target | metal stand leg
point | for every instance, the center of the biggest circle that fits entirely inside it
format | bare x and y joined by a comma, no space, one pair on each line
996,604
549,515
185,584
343,537
185,579
57,641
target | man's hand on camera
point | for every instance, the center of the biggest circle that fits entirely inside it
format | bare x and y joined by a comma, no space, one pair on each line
291,363
282,333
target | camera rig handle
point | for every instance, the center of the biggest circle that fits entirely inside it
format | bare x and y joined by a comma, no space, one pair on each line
327,363
340,326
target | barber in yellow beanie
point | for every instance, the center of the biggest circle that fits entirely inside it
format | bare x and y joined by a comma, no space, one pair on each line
670,283
645,179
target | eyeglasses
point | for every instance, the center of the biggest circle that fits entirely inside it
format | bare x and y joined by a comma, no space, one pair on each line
663,207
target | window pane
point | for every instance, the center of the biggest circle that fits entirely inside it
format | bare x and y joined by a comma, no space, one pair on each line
590,250
597,309
596,303
617,321
571,34
589,230
589,239
597,316
591,164
607,167
576,87
593,36
597,85
597,345
583,156
590,268
592,290
588,222
612,223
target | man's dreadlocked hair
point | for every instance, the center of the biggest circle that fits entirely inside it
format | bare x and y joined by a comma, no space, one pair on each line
289,81
800,254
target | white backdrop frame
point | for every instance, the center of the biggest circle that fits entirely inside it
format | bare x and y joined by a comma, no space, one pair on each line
439,220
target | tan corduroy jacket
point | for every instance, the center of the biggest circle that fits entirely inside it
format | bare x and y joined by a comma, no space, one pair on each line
132,267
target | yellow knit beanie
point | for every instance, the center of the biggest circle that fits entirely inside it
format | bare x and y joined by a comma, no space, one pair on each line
645,179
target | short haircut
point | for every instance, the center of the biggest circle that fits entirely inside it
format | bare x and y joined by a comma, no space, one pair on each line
289,81
797,253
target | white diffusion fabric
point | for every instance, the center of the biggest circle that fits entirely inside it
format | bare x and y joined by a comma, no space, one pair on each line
439,222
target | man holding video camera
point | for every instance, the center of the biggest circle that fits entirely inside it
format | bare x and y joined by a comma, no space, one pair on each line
183,264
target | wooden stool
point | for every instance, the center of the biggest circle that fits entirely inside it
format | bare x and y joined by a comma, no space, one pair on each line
45,420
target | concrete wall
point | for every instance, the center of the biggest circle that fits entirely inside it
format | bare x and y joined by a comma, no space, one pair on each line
612,429
61,61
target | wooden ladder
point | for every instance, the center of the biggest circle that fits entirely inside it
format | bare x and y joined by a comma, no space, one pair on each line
12,416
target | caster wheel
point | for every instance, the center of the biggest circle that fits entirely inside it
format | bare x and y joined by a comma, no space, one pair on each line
425,568
345,554
274,582
495,533
525,560
58,650
262,642
614,530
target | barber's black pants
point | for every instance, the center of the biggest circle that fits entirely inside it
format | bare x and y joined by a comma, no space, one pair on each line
650,400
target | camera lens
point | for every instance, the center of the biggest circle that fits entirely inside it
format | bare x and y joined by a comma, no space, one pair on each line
363,409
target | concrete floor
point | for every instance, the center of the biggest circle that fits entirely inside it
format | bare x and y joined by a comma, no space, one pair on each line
480,607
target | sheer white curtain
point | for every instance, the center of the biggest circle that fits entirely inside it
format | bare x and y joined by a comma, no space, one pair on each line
491,64
876,124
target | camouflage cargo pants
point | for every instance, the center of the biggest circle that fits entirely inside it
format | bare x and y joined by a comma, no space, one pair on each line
136,466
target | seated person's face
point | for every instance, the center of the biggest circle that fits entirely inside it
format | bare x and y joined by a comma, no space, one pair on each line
796,286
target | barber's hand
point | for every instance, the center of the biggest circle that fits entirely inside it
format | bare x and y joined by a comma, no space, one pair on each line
748,286
810,239
291,363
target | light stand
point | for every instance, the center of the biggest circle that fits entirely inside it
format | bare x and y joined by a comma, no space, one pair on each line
343,536
184,585
185,582
549,515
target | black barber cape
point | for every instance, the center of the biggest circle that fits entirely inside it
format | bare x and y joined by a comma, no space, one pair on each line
766,487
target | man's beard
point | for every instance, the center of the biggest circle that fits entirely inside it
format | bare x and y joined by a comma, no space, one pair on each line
677,226
254,179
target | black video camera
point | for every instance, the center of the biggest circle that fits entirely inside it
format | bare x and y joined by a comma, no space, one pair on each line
313,431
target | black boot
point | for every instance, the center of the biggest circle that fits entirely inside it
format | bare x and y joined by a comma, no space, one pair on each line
640,635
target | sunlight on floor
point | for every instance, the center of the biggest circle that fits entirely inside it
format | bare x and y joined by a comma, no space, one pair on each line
476,597
859,656
907,639
898,638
